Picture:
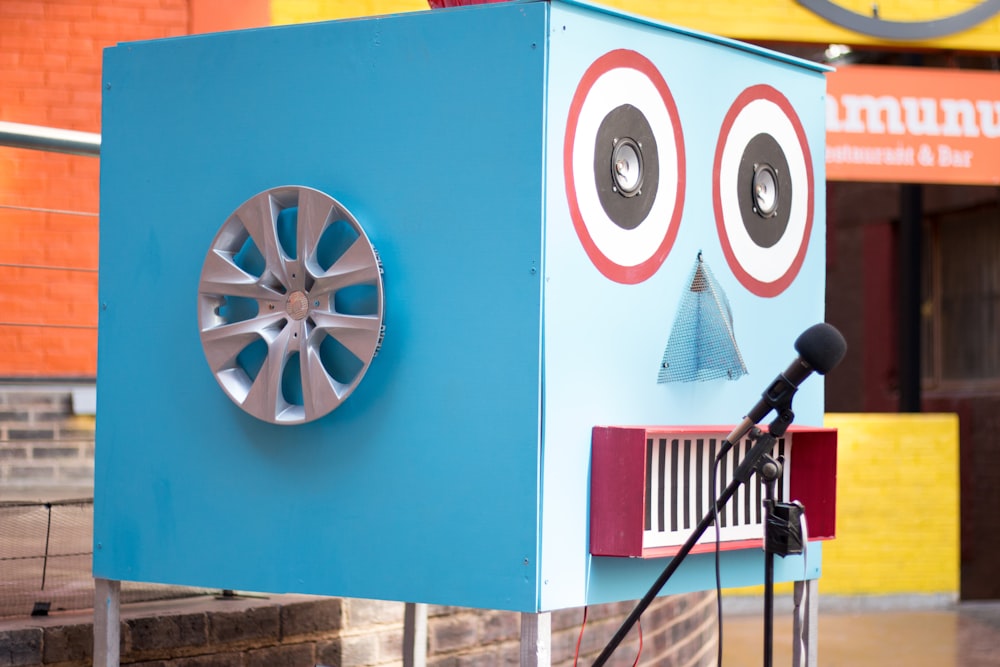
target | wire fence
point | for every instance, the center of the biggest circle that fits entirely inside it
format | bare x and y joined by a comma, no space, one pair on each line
69,267
45,560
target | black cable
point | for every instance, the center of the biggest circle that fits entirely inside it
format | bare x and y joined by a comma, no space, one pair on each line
718,545
48,533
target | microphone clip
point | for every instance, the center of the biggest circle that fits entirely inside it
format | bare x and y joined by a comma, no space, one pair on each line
781,422
778,396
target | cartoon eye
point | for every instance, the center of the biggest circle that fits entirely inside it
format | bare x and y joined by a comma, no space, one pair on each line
763,190
623,160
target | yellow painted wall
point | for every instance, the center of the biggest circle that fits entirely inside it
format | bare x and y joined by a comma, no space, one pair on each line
304,11
897,507
760,20
787,21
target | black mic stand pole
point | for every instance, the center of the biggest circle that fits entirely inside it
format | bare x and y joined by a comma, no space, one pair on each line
769,471
764,443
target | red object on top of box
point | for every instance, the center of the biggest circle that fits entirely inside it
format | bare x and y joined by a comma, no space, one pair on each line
440,4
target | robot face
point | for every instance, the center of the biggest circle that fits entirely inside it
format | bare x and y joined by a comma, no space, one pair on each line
639,188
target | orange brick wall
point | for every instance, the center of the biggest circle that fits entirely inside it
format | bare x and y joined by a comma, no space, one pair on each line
50,74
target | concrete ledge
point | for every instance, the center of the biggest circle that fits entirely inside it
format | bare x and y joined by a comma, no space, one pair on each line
305,631
240,631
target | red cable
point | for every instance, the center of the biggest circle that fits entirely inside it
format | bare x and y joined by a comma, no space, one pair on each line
583,624
639,623
579,640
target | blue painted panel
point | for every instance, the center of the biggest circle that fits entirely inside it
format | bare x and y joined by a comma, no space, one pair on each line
604,340
610,576
424,484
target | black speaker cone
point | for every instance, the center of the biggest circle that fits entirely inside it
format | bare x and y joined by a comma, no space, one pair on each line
626,166
764,190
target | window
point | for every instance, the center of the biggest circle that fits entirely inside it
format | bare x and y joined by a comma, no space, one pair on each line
961,330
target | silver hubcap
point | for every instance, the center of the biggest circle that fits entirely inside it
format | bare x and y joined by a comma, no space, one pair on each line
290,305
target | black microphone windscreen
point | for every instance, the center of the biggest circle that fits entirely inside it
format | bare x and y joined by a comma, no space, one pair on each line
821,346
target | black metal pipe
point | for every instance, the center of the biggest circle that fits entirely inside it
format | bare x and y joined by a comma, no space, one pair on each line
911,216
768,577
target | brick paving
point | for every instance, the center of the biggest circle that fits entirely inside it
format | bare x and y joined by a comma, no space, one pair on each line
960,635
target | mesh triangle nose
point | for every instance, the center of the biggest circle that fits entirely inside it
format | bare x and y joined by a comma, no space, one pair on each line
702,345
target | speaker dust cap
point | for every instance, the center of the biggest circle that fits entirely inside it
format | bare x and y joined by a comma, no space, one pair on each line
290,305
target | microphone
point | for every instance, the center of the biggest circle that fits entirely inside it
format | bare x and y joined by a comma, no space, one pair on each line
820,348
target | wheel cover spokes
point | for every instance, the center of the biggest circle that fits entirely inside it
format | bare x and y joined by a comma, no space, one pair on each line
290,305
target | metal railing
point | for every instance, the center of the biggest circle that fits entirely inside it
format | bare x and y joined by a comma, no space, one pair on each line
55,140
52,140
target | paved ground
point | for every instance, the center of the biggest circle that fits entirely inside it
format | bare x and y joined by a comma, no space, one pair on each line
961,635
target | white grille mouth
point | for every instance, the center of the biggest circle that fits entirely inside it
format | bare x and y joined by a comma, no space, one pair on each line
649,487
677,493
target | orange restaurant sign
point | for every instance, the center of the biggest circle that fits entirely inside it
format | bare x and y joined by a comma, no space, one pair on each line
913,125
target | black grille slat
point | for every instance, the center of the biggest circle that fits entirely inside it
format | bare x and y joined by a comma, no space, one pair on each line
662,451
700,478
688,474
674,450
649,484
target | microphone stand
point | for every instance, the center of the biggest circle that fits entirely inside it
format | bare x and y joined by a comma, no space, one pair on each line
769,471
756,459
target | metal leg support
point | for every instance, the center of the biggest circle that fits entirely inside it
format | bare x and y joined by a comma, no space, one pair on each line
415,635
107,622
536,640
805,631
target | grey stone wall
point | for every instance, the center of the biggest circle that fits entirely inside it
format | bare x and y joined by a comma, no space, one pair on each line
46,447
304,631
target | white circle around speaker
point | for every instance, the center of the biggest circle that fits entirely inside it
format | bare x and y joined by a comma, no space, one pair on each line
623,160
763,190
290,305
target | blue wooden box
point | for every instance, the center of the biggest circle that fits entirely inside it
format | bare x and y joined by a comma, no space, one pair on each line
516,318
